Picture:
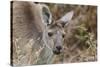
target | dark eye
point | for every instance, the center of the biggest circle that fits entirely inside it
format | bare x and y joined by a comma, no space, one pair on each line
63,35
50,34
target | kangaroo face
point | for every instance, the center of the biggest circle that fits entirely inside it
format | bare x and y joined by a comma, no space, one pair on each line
56,32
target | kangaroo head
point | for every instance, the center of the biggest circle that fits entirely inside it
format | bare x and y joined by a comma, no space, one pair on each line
55,29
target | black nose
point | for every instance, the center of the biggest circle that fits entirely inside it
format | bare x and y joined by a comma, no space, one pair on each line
58,47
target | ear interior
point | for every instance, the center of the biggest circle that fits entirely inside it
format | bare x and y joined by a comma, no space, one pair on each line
67,17
63,20
46,14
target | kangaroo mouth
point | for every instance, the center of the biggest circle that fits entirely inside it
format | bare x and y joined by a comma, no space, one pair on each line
56,52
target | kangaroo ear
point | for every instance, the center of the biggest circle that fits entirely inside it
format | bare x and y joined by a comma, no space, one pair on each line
67,17
46,14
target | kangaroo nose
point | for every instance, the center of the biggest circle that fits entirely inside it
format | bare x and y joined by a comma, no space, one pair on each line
58,47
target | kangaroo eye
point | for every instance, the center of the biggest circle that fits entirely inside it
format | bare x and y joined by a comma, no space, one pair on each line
63,35
50,34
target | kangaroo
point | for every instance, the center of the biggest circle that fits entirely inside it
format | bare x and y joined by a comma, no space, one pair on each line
35,37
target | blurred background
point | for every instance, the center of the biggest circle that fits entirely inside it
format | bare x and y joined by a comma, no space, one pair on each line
80,41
